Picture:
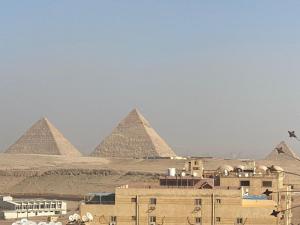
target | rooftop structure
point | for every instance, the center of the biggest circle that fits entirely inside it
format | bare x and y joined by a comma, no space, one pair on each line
134,138
43,138
23,208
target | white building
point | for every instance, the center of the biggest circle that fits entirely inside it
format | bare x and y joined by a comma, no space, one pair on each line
21,208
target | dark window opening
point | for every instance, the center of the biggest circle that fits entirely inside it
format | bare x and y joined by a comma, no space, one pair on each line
244,183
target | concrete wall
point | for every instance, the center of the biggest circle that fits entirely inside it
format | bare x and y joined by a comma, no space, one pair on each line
15,214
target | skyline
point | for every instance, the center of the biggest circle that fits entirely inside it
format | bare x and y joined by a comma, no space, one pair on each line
211,77
183,154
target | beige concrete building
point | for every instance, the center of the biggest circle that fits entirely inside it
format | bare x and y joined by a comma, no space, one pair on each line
231,196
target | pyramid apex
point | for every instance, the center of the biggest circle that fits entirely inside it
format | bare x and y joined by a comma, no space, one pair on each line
135,110
44,118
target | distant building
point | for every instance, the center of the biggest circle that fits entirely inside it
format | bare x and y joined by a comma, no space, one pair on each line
229,196
21,208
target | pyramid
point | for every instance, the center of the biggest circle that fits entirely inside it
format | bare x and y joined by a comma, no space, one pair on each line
287,153
133,138
43,138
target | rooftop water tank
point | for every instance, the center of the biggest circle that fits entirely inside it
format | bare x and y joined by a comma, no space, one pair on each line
172,172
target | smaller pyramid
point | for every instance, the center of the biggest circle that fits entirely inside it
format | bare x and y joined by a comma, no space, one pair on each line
133,138
282,152
43,138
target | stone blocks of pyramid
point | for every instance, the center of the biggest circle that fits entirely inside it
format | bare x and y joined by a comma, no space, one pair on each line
287,153
43,138
133,138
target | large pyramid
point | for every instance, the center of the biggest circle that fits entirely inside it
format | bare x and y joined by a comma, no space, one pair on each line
282,152
43,138
133,138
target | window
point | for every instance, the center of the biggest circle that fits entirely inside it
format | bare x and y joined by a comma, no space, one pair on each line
133,200
113,219
152,219
218,201
133,218
198,201
244,183
282,197
267,183
218,219
239,220
53,205
198,220
153,201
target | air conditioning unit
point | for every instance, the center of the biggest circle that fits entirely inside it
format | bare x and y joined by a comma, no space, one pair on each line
152,223
152,207
197,208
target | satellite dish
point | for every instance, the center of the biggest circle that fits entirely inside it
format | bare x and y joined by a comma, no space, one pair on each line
24,220
76,216
71,219
42,223
31,223
84,218
89,216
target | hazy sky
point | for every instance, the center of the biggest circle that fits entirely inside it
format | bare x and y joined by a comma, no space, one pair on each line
212,77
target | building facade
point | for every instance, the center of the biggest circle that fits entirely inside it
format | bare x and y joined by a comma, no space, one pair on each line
187,199
20,208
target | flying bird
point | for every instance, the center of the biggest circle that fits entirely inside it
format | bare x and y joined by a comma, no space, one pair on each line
275,213
292,134
279,150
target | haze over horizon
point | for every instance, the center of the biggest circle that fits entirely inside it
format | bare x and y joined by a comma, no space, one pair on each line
211,77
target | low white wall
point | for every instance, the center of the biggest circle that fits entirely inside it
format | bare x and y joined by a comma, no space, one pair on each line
14,214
